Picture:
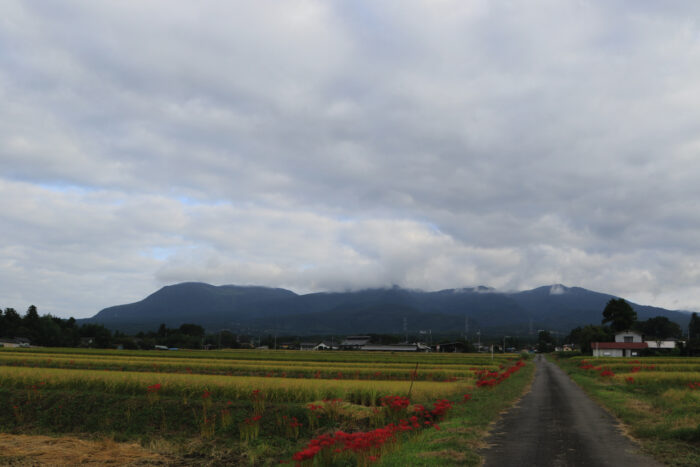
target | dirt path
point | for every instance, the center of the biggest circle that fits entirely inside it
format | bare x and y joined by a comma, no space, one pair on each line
28,450
557,424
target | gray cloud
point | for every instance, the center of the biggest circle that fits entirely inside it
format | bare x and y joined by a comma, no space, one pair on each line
334,145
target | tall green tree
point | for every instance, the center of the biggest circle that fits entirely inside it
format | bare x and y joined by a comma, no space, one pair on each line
659,328
545,342
619,314
583,336
694,334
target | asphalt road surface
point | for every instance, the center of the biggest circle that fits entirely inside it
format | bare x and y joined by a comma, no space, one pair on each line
557,424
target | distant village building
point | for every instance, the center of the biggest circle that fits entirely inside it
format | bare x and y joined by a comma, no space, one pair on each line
396,348
325,345
308,345
451,347
354,342
16,342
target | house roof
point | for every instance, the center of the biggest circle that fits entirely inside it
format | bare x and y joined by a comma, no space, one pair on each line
619,345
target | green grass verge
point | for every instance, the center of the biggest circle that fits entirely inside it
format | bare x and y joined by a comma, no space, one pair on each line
461,436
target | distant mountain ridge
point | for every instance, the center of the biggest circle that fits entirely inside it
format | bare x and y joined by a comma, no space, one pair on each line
256,309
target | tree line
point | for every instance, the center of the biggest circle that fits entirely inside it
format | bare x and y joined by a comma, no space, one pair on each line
51,331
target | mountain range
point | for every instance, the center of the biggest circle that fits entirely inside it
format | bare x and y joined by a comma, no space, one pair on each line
254,309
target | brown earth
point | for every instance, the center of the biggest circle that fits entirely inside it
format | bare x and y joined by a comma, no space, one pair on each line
30,450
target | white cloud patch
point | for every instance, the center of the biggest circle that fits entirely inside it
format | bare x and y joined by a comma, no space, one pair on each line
333,145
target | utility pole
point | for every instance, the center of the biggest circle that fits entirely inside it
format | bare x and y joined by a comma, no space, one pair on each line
405,329
504,343
478,334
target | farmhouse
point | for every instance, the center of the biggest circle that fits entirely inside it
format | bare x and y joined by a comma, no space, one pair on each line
629,344
617,349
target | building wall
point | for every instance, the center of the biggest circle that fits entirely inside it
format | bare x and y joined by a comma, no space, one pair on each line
664,344
607,352
631,335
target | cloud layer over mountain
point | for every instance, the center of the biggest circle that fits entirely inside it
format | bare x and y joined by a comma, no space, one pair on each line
328,145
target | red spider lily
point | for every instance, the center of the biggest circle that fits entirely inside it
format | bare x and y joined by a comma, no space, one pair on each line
606,373
630,380
466,397
294,423
252,420
153,389
367,443
206,394
395,402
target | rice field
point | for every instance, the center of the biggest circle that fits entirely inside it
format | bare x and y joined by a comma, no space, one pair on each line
250,367
264,401
658,398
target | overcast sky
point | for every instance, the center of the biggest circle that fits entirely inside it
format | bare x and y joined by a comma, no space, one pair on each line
329,145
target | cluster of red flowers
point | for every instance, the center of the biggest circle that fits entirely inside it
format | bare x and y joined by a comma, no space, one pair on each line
153,389
343,442
694,385
586,365
35,387
252,420
293,422
603,371
206,394
494,378
466,397
396,403
366,442
630,380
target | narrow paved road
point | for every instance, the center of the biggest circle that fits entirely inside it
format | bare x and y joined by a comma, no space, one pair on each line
557,424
